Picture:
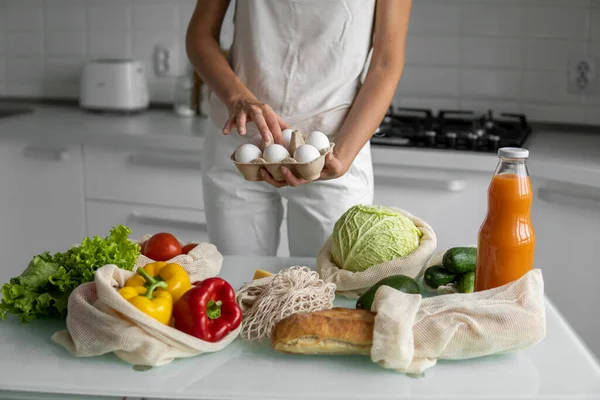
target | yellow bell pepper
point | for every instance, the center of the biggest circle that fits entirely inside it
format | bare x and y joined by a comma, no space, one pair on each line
176,278
154,302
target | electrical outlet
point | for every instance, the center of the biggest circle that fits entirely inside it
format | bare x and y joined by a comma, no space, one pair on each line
165,60
582,76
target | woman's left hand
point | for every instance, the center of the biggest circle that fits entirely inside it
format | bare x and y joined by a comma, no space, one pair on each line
334,168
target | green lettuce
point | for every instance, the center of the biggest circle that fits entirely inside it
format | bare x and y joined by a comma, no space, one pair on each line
367,235
43,289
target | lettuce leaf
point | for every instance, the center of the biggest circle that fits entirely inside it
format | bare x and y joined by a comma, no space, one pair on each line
43,289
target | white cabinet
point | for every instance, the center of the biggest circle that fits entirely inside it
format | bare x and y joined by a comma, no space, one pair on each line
153,177
566,219
41,202
453,202
187,225
148,191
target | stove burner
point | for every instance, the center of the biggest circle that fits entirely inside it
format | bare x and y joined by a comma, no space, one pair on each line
451,130
451,139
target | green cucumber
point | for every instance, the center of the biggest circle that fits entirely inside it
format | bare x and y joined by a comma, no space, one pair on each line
437,276
402,283
460,260
466,283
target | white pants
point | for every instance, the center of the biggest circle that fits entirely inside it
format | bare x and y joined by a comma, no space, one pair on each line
244,218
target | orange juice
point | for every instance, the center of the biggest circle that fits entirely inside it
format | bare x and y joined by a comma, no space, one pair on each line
506,242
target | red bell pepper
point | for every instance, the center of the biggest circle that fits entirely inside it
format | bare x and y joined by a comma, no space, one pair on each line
208,310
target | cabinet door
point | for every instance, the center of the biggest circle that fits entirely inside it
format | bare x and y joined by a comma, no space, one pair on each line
41,202
454,203
187,225
566,219
155,178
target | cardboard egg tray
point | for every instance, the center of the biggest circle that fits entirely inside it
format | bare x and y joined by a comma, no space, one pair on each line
308,171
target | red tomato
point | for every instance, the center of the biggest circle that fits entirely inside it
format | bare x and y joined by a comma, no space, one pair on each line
188,247
142,246
162,247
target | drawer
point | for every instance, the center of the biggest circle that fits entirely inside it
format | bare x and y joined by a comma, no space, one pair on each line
454,203
187,225
170,178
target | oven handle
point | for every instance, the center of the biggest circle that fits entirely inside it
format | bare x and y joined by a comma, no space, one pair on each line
169,222
42,153
154,160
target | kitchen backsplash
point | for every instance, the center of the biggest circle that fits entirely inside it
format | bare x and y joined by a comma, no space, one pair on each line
509,55
44,43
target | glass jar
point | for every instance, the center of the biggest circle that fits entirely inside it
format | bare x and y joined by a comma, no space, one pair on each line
506,242
185,97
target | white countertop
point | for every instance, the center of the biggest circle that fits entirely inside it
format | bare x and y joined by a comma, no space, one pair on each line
159,129
33,367
555,155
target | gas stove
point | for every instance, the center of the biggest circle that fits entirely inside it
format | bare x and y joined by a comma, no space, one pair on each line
451,130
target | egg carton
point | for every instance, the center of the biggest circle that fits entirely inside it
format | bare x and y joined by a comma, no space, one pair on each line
309,171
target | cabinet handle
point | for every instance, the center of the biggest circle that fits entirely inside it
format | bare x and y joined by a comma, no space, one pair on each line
41,153
446,185
570,198
174,223
155,160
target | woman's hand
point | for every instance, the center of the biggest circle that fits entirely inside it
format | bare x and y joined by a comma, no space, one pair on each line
205,53
269,124
334,168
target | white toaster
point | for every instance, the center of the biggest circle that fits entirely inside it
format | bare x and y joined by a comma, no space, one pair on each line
114,85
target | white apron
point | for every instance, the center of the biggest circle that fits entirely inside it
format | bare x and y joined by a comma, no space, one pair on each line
304,58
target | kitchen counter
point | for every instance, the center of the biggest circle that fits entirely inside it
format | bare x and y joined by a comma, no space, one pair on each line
562,155
153,129
566,157
33,367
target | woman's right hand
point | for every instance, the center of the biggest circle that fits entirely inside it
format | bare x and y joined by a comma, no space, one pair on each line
269,124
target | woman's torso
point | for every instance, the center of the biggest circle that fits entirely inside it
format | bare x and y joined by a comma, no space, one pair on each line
304,58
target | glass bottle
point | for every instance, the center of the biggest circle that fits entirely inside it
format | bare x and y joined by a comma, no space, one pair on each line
185,96
506,242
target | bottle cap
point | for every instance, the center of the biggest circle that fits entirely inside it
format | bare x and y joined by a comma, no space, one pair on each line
513,152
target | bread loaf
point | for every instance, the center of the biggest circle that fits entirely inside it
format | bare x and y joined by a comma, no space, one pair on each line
333,331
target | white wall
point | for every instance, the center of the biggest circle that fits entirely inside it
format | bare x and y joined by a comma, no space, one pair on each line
44,43
509,55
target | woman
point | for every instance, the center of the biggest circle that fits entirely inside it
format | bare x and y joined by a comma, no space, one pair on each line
298,64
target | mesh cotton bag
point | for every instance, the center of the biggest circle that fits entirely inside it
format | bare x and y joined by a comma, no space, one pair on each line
354,284
203,261
265,302
412,333
100,321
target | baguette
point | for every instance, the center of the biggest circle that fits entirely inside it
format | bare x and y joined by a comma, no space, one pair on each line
335,331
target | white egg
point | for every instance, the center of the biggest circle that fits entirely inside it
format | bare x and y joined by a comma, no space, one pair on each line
318,140
287,137
256,140
275,153
247,153
306,153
